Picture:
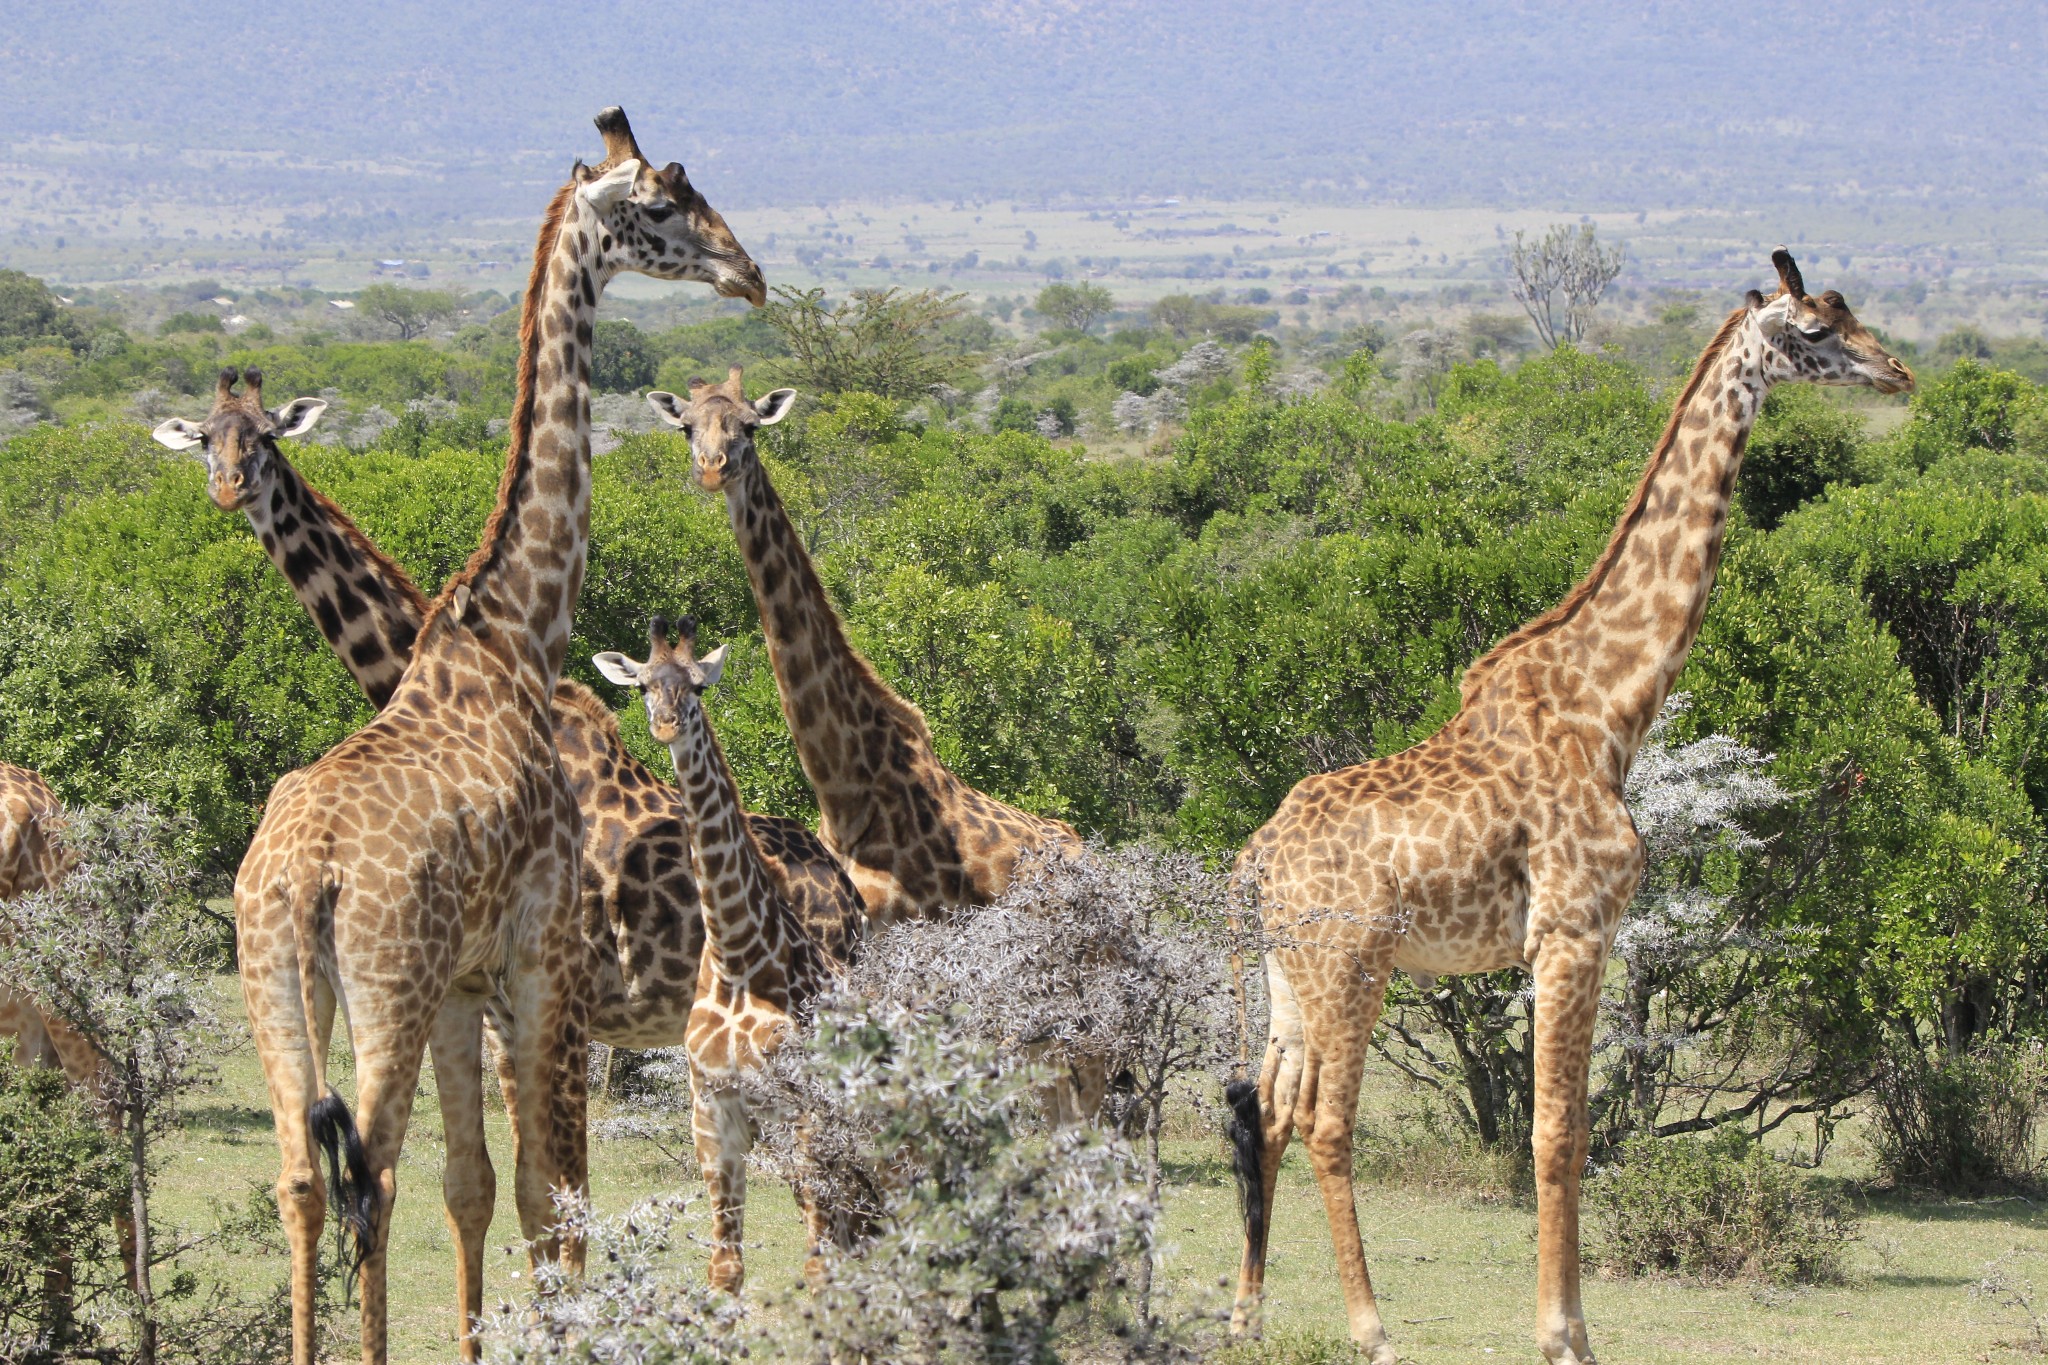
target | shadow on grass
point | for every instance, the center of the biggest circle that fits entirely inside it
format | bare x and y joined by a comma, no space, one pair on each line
232,1120
1209,1171
1917,1206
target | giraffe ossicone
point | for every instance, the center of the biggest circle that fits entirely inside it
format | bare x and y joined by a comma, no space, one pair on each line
1503,840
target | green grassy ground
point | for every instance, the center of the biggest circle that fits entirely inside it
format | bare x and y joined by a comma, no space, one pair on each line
1455,1271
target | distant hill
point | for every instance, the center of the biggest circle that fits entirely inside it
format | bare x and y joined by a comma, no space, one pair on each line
458,106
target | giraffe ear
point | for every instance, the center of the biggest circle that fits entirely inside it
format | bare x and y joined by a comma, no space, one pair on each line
1776,314
771,408
298,417
670,408
608,189
179,434
617,668
712,666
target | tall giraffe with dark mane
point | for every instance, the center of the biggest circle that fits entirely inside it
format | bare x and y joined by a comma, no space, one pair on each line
915,838
1504,840
428,865
767,957
640,903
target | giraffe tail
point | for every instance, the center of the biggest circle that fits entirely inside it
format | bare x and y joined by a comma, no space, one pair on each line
350,1188
351,1191
1247,1134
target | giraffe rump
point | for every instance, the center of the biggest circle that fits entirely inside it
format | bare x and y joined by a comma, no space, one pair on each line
350,1189
1246,1132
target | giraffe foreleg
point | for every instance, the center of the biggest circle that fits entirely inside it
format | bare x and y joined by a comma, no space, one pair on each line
718,1123
1568,970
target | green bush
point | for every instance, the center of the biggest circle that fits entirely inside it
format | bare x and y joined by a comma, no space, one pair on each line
1803,442
1962,1123
1715,1208
62,1180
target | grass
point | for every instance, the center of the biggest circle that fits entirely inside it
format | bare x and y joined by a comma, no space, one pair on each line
1455,1270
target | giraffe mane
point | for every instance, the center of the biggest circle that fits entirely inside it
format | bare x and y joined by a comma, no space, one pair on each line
574,696
519,451
1484,667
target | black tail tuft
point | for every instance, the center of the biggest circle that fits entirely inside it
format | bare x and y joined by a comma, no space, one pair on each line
350,1189
1247,1132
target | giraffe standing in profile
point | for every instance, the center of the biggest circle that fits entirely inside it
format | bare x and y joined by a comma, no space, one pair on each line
428,865
915,838
1503,840
640,903
765,960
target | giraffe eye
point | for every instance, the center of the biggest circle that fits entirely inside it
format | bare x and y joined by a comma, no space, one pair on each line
1814,333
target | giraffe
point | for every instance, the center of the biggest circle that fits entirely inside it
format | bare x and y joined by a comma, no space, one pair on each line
765,959
427,866
914,837
1503,840
32,859
640,903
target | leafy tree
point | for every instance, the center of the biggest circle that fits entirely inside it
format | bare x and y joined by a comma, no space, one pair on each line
1186,316
118,952
408,312
1972,407
879,341
1076,306
1137,374
63,1178
30,315
191,322
1802,443
622,359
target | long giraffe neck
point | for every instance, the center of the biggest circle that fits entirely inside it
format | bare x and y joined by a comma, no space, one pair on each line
832,698
744,929
523,580
1632,621
365,605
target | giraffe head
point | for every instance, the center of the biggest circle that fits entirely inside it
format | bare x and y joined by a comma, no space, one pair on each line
654,222
720,423
673,677
238,439
1819,339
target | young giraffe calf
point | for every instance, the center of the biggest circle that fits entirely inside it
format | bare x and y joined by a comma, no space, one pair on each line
763,964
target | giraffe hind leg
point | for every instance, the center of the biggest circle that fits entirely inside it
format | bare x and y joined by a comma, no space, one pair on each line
1267,1114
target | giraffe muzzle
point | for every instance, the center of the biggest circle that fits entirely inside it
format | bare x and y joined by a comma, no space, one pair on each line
744,283
230,492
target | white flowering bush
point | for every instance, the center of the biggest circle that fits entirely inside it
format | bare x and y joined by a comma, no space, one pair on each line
969,1233
636,1304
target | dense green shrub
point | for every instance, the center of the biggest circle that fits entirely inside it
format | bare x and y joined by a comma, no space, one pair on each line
1960,1123
62,1179
1715,1208
1802,443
